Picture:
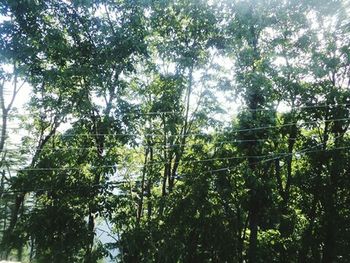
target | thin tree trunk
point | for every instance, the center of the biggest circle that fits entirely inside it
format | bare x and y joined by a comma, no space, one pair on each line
140,205
307,238
331,212
183,134
150,184
253,226
166,173
89,246
330,229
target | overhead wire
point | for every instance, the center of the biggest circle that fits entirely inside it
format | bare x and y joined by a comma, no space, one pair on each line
300,152
277,156
155,146
128,165
201,134
137,113
114,166
274,156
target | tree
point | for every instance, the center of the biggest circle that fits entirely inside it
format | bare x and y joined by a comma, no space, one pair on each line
124,152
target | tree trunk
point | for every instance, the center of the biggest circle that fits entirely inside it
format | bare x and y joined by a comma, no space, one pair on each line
306,241
253,226
142,190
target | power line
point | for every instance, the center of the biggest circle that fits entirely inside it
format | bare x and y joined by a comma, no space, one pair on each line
286,155
116,183
302,107
88,187
156,146
136,113
201,134
128,165
300,152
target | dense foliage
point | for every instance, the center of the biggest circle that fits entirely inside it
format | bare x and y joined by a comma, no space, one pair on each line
175,131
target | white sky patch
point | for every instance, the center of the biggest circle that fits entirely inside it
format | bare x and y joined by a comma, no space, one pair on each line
4,18
284,107
280,61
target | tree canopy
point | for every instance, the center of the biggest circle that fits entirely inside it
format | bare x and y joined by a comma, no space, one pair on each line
175,131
